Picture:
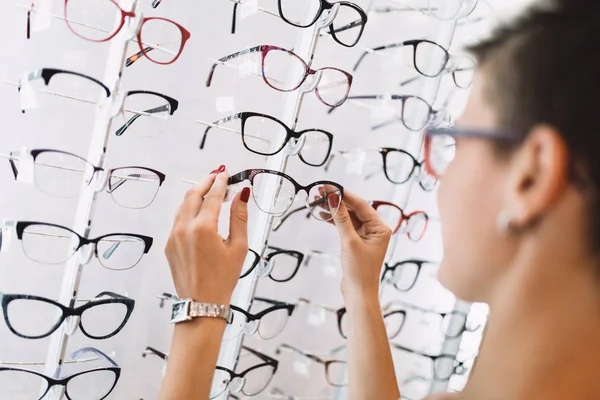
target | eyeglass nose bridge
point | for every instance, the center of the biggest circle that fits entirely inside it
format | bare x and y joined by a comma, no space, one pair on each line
312,85
327,20
295,146
72,323
265,267
236,384
251,327
85,253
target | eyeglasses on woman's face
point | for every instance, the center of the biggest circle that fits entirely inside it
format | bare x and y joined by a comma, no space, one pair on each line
440,145
62,174
266,135
54,244
278,264
274,192
268,323
346,28
284,71
34,317
96,383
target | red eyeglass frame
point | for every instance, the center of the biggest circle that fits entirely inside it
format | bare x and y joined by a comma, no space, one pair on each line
185,34
376,204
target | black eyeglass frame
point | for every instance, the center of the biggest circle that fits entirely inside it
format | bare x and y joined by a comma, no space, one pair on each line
267,362
326,363
290,134
20,227
250,174
67,312
277,251
115,369
173,106
458,366
389,269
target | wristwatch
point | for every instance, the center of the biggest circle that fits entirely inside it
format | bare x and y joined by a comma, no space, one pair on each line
186,309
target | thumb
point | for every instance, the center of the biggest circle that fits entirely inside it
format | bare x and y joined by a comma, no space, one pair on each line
341,218
238,219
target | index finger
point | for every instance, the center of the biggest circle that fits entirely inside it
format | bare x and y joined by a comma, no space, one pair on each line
360,207
211,207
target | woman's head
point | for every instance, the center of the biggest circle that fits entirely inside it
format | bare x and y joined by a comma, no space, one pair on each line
507,197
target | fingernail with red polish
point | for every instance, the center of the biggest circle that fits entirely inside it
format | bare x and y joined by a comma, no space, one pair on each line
334,200
221,169
245,196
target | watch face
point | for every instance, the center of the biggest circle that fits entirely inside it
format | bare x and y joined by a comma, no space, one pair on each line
179,311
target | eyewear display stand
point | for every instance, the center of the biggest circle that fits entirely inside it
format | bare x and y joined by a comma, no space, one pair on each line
86,204
258,239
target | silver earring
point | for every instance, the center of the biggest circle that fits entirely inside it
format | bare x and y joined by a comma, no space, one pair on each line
505,222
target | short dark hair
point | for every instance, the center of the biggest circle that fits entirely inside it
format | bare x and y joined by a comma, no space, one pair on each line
543,67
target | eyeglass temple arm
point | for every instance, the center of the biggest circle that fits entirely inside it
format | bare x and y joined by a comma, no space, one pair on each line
298,351
378,48
134,57
260,355
273,302
166,296
234,18
131,120
277,224
156,3
77,354
152,350
350,25
319,305
219,122
13,165
227,58
363,97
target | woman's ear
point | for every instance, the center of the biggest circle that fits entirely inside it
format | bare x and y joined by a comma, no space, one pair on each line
538,176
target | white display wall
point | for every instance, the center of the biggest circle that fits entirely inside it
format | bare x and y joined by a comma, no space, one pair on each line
66,124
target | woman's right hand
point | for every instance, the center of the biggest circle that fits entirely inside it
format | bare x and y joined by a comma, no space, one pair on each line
364,238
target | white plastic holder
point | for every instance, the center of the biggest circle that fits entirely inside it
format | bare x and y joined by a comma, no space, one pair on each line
258,239
86,204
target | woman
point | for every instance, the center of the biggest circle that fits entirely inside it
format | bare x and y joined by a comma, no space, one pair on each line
520,228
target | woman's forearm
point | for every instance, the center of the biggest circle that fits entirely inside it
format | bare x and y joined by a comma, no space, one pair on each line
192,359
371,372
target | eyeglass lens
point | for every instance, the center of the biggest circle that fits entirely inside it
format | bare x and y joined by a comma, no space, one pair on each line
430,58
60,174
145,114
347,16
95,20
63,88
161,39
336,373
399,166
404,276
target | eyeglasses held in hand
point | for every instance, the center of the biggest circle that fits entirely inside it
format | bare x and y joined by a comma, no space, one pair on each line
394,320
443,365
269,322
452,324
322,197
96,383
250,382
99,318
346,29
54,244
403,275
284,71
160,40
280,265
334,369
399,166
414,225
144,112
443,10
61,174
415,112
440,145
267,136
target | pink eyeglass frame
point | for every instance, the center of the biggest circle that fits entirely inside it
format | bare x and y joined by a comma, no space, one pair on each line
185,34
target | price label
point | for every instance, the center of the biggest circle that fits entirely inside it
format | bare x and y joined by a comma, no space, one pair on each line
7,233
301,367
42,16
316,316
25,165
249,8
27,94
